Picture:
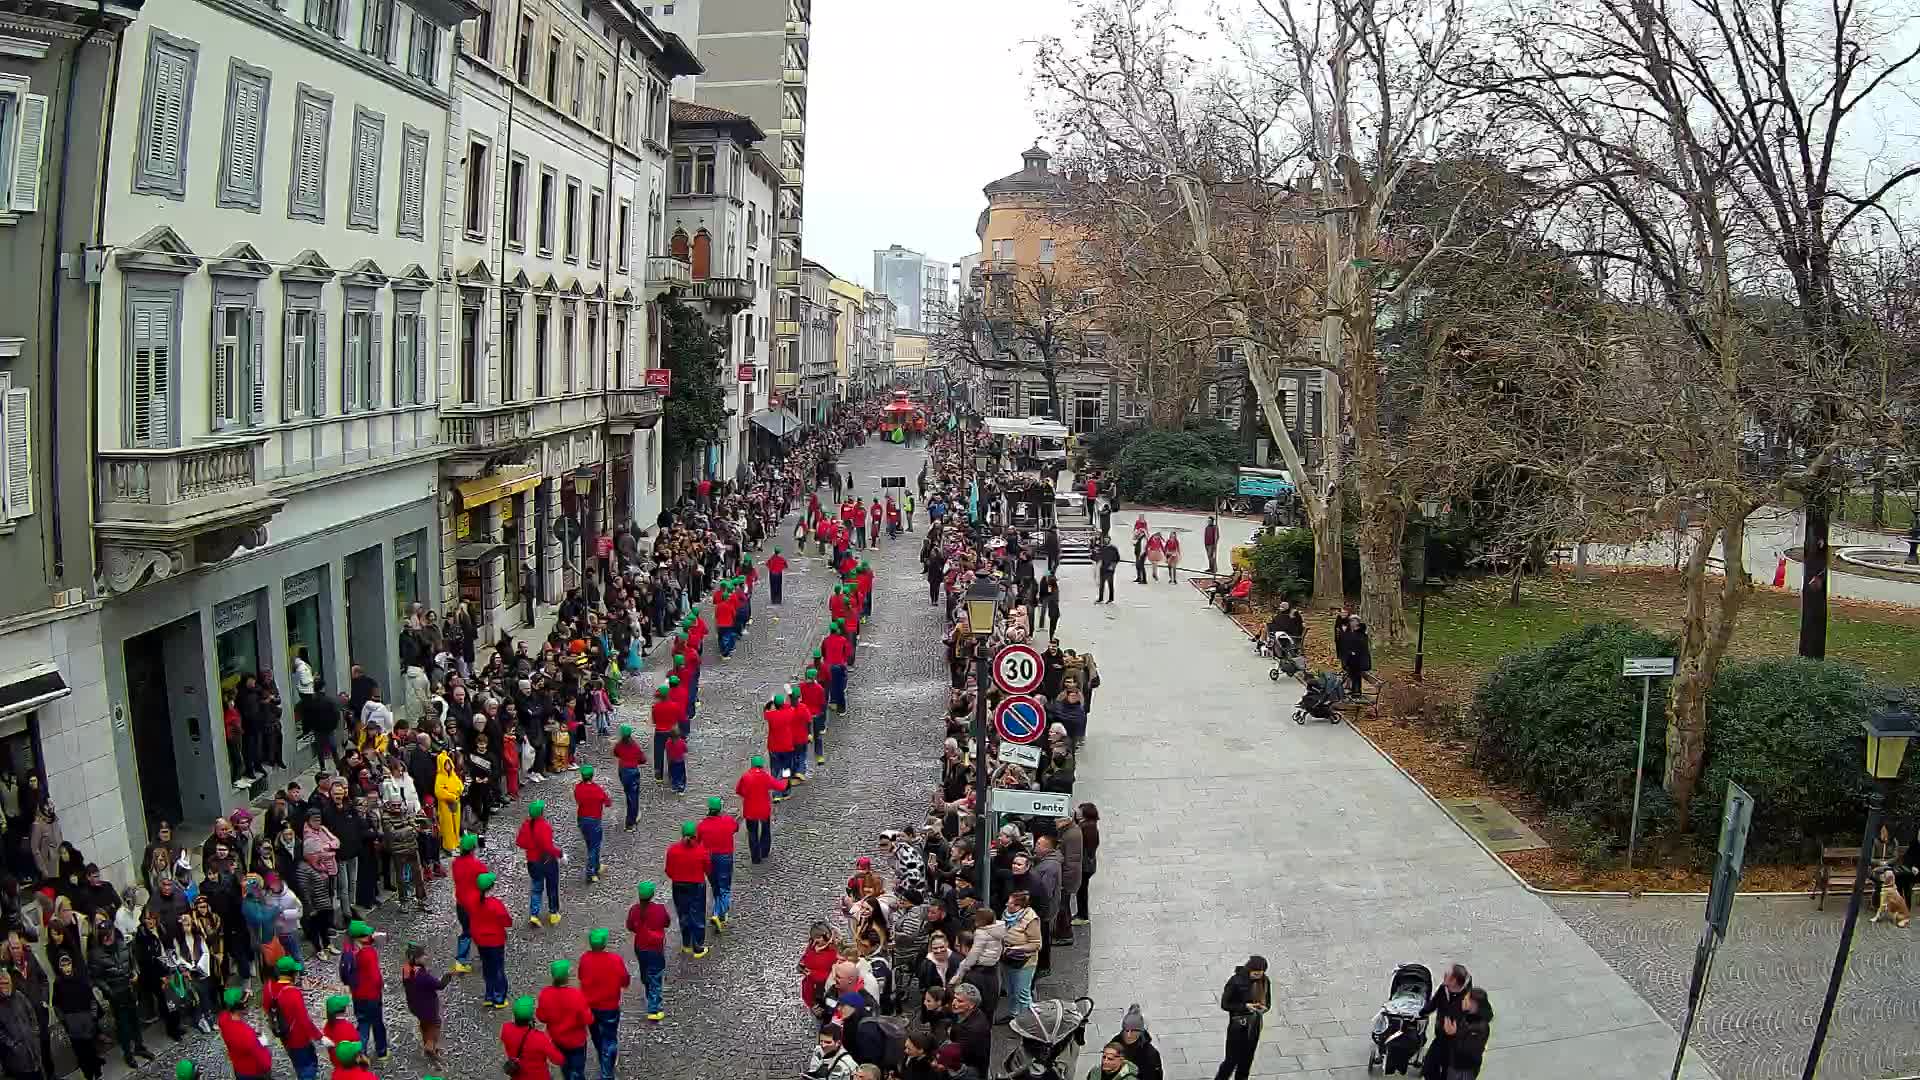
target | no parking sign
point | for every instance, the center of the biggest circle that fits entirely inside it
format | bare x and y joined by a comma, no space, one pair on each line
1020,718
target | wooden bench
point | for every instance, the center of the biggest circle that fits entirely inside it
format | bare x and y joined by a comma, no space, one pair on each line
1836,863
1369,704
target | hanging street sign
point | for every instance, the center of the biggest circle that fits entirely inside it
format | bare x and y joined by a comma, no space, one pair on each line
1028,803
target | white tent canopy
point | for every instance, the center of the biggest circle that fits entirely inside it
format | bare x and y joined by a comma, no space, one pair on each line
1032,425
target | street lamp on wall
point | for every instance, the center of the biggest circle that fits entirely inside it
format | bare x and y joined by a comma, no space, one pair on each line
1430,509
1888,729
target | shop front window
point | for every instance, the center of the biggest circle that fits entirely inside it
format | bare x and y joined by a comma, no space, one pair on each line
303,621
406,577
238,651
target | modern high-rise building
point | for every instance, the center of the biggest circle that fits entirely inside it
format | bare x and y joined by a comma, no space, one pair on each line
754,55
935,312
901,274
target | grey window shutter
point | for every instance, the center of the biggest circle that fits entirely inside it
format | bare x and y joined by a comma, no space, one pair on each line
420,360
164,151
257,385
31,150
317,363
375,357
222,372
350,364
290,361
19,451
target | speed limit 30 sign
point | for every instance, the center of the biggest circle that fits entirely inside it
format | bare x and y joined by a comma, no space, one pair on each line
1017,669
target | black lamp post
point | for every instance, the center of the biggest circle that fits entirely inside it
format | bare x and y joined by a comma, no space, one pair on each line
983,604
1429,510
1887,733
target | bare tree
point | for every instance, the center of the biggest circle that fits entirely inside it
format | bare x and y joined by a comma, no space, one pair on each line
1034,318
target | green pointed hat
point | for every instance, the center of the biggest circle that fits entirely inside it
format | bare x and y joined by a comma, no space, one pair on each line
523,1009
468,842
673,680
626,731
337,1004
597,938
586,772
357,929
348,1052
714,804
536,808
287,965
645,890
757,761
186,1070
687,828
661,691
485,881
559,969
233,998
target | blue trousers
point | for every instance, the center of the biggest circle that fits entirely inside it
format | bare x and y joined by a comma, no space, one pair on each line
493,972
653,970
591,832
606,1039
727,635
820,734
630,783
866,603
463,948
773,586
720,876
543,875
573,1063
690,906
677,774
306,1062
837,687
660,755
371,1019
759,839
797,761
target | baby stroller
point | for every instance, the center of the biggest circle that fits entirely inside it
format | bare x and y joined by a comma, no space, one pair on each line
1400,1030
1286,657
1325,693
1049,1032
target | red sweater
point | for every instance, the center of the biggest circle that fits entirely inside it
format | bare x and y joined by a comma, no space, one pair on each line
293,1008
837,606
536,839
835,650
366,973
340,1029
777,564
564,1010
726,611
629,754
353,1073
799,724
715,833
779,735
814,694
668,714
530,1048
489,920
648,923
466,870
248,1054
756,788
589,799
603,977
686,863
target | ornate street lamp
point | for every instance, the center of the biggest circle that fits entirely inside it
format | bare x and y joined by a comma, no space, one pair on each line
1888,731
1430,509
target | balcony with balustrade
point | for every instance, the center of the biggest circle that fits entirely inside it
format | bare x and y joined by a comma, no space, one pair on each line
665,274
164,512
630,410
732,293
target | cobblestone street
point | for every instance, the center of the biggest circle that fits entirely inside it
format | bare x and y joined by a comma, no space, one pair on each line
1768,981
735,1014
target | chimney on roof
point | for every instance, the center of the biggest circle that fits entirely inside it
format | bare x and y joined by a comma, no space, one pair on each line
1036,159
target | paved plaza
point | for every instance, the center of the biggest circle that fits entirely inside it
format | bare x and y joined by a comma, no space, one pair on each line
1228,830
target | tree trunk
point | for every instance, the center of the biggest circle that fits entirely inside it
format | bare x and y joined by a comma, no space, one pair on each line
1816,557
1382,516
1706,628
1329,583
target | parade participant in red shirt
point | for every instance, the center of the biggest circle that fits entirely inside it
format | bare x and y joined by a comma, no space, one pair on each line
813,694
629,756
668,715
648,922
249,1056
756,789
284,997
466,867
543,862
776,570
338,1030
590,801
563,1008
603,979
837,649
353,1064
687,865
526,1045
490,920
715,833
369,1010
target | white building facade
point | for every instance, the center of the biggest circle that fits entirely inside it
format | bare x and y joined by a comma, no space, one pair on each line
268,383
553,249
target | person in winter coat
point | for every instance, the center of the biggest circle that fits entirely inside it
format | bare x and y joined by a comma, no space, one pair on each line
1025,940
1247,997
20,1055
1210,536
73,1003
1072,867
110,966
1136,1043
830,1059
1355,649
1445,1006
1114,1065
447,789
1470,1032
1089,818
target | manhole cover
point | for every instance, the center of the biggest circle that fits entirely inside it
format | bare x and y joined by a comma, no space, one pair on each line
1492,824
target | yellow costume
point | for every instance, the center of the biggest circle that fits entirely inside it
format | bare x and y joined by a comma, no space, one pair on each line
447,789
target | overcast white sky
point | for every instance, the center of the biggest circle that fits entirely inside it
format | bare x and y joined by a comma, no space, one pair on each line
912,106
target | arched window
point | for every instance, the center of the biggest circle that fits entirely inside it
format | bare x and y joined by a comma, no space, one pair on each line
702,254
679,248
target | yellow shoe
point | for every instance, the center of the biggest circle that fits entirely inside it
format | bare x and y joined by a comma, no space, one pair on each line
701,952
688,949
819,759
499,1004
553,919
462,969
533,921
661,1015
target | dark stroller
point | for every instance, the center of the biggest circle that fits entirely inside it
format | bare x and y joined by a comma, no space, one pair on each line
1286,657
1325,693
1049,1033
1400,1030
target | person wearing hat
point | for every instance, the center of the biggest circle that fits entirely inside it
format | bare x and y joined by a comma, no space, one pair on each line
563,1008
837,649
603,979
830,1059
813,694
756,789
527,1047
467,868
687,864
950,1063
647,921
489,919
353,1062
1247,997
186,1070
544,857
338,1030
726,614
668,715
779,734
590,800
1137,1044
629,755
249,1056
287,1018
863,585
716,832
360,968
776,572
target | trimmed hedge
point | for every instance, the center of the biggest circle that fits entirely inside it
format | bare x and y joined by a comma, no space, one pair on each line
1193,466
1562,722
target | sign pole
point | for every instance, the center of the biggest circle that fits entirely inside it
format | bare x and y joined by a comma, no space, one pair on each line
982,849
1639,767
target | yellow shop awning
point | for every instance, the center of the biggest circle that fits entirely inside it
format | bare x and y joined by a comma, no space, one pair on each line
485,489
